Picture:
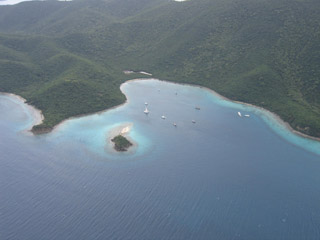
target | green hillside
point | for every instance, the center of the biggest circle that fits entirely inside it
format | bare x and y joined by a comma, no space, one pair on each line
67,58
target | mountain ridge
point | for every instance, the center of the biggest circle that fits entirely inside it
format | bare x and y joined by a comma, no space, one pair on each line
260,52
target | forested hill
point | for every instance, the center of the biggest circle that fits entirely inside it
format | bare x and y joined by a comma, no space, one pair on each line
67,58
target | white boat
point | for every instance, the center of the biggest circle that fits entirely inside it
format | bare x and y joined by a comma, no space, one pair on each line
146,111
146,103
239,113
174,124
193,121
163,117
247,115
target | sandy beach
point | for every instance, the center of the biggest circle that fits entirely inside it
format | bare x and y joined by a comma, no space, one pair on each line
36,113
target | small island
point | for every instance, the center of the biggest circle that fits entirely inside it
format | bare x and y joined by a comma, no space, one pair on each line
121,144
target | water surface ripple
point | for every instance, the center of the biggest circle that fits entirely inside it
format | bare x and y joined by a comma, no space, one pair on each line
222,177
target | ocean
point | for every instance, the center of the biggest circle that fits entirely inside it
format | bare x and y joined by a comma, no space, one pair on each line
219,177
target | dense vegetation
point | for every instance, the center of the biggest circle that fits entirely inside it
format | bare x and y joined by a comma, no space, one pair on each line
121,144
66,58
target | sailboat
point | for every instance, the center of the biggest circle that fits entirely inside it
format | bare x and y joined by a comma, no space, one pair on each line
146,111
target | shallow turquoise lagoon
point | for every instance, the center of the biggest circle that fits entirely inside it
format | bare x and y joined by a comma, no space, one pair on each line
222,177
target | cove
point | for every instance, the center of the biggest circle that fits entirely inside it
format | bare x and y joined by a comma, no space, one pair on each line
222,177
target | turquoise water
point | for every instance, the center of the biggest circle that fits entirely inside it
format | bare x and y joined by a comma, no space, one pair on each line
223,177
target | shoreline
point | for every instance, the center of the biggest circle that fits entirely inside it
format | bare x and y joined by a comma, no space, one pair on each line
36,112
268,113
276,117
56,127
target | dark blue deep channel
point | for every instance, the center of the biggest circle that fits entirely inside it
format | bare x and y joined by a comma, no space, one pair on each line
222,177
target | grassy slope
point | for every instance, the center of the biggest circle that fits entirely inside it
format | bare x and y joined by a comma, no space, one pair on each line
56,81
264,52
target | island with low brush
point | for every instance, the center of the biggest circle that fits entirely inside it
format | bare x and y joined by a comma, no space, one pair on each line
121,144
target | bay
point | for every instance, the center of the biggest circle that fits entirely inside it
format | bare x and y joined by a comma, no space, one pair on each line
222,177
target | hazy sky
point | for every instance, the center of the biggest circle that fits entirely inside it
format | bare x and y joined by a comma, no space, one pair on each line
10,2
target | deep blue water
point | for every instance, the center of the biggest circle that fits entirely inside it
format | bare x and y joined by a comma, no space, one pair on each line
224,177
